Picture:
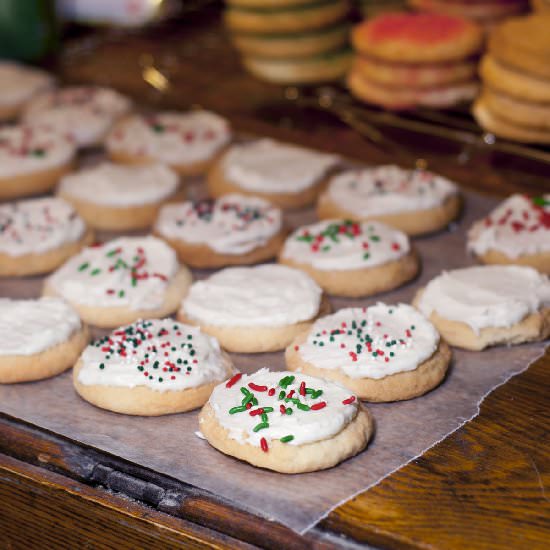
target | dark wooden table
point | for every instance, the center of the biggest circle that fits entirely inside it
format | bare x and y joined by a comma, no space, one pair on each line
484,486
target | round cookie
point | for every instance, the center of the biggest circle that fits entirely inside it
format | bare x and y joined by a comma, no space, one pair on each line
319,68
477,307
417,38
32,160
517,231
232,230
115,197
288,19
39,339
18,84
479,11
287,422
408,98
414,201
171,368
187,142
351,259
381,353
286,175
253,309
38,235
85,113
120,281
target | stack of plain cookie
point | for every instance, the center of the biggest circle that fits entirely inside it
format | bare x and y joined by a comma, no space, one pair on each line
291,41
409,60
515,102
542,6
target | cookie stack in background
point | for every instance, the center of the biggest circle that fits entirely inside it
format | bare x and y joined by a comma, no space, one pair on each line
370,8
407,60
486,13
291,41
542,6
515,101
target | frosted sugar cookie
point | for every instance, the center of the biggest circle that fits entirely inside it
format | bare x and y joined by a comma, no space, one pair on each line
85,113
32,160
117,198
18,84
232,230
38,338
414,201
122,280
187,142
151,367
381,353
351,259
38,235
286,175
285,421
253,309
516,232
477,307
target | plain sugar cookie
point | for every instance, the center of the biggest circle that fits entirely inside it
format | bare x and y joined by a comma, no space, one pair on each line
151,367
120,281
351,259
114,197
284,421
380,353
477,307
38,235
253,309
38,338
232,230
414,201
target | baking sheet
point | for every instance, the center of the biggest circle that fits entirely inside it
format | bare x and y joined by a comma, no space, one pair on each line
403,430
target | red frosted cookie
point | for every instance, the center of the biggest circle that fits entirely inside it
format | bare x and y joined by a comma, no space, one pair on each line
417,38
479,10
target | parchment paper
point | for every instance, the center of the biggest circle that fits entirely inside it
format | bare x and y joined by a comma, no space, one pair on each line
403,430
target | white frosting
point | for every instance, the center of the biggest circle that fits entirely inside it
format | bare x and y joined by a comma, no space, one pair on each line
121,186
25,150
19,83
36,226
33,326
267,295
389,190
305,426
486,296
335,245
131,272
371,342
267,166
85,113
517,227
170,137
232,224
162,354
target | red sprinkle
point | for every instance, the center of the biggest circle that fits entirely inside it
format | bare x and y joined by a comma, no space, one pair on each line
249,405
296,348
255,387
349,400
271,391
303,388
318,406
234,380
263,444
282,408
256,412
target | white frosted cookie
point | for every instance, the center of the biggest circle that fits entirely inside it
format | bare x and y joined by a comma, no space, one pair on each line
287,175
517,231
232,230
38,235
151,367
285,421
353,259
187,142
85,113
253,309
415,201
477,307
32,160
122,280
115,197
381,353
38,338
18,84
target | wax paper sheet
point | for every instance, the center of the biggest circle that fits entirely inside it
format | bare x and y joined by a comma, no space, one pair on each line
403,430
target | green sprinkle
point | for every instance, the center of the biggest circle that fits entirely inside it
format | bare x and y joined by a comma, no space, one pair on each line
374,238
101,365
134,281
281,395
237,410
264,417
302,407
95,272
268,409
366,256
83,266
112,252
121,294
260,426
247,399
160,379
288,411
245,391
286,438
